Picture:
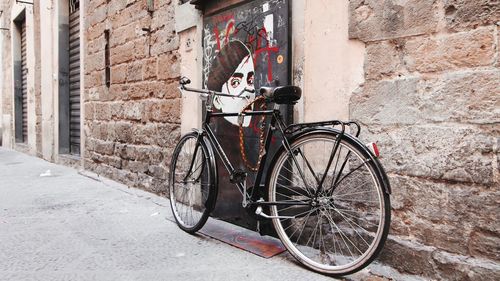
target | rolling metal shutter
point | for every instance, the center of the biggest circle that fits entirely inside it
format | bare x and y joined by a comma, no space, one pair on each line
74,80
24,81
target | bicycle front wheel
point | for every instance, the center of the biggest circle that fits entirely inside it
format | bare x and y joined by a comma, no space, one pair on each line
191,183
344,225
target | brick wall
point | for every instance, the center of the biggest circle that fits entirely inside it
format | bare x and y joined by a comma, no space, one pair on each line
132,126
432,101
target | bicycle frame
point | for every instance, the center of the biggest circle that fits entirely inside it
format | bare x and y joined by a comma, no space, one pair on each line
276,123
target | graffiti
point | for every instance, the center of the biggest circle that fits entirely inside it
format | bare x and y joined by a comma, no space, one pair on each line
227,31
253,26
233,74
208,53
268,50
249,26
281,22
259,41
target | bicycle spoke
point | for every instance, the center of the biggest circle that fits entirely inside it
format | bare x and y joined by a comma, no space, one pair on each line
352,171
286,208
346,186
311,170
313,235
358,201
304,188
352,211
307,217
355,230
353,217
290,189
342,235
301,231
295,161
284,195
194,171
354,193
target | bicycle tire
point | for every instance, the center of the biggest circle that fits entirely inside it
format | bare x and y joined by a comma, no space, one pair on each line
193,195
334,212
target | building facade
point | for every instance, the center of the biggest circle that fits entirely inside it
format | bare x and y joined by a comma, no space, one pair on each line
93,84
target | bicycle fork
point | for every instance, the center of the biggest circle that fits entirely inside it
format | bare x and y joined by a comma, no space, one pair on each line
196,148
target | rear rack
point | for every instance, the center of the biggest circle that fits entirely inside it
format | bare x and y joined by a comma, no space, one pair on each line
333,123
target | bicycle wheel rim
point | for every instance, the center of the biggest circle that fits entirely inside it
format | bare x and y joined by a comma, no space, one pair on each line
325,260
189,188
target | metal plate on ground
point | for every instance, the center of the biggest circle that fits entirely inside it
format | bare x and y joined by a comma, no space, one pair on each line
263,246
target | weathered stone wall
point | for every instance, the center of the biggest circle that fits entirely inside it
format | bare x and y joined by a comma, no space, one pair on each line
132,126
37,78
431,99
6,94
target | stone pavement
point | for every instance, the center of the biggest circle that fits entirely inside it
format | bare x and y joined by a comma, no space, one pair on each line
67,225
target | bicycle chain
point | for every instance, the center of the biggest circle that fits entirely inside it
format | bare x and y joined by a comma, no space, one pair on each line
261,137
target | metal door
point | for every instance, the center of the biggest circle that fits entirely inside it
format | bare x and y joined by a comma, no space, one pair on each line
262,26
24,83
74,78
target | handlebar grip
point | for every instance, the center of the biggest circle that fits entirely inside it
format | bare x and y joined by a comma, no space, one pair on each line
184,81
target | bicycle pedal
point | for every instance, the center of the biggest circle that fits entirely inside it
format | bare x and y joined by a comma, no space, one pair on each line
238,176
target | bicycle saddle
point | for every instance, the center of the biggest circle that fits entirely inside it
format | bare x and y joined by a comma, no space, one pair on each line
282,95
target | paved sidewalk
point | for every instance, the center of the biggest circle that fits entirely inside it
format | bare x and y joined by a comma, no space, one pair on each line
67,226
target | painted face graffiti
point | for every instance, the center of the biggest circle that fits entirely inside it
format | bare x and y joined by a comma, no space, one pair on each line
241,80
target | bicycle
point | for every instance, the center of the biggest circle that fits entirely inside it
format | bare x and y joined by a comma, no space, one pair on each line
326,193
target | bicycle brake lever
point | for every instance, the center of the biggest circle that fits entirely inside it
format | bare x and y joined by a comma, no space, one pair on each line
245,90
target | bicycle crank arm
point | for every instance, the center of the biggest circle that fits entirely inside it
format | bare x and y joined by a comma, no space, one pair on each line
261,213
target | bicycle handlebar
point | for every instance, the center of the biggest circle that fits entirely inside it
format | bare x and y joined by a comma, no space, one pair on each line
185,81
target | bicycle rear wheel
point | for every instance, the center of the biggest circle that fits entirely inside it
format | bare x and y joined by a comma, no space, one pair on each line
192,193
345,225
